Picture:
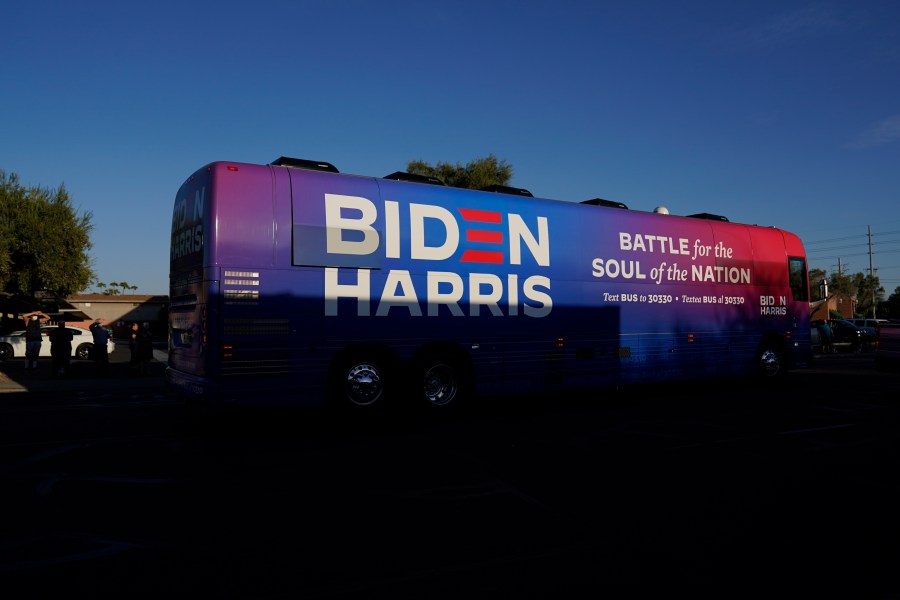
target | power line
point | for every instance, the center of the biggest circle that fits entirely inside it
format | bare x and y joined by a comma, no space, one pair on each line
851,237
871,244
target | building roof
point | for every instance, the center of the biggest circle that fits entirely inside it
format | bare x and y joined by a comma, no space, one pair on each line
139,298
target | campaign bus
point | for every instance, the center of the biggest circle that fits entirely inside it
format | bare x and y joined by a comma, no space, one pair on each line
293,283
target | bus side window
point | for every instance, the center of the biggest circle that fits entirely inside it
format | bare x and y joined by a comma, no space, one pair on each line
797,273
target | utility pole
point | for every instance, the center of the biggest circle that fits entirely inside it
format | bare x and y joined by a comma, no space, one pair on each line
872,271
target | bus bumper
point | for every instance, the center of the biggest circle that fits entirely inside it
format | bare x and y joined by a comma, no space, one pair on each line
189,387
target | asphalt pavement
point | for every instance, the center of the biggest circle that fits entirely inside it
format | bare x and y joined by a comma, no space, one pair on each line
699,489
83,375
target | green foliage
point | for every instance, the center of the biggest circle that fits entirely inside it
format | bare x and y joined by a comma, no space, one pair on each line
890,308
866,289
869,292
476,174
838,283
44,242
112,289
815,280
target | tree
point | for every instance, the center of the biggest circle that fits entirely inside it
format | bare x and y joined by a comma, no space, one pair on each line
842,284
113,287
476,174
44,242
890,308
815,280
869,294
865,288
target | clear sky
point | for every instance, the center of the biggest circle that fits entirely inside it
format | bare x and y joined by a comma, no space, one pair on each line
776,113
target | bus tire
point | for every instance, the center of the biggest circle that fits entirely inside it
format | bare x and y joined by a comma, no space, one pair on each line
360,381
442,381
6,352
771,360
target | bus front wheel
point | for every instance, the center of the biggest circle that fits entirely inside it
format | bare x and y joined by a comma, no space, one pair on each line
770,362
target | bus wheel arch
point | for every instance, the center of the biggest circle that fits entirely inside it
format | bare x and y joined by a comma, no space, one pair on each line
772,357
362,377
443,376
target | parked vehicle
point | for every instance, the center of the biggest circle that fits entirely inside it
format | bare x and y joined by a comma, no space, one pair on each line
887,345
867,325
815,339
13,345
848,337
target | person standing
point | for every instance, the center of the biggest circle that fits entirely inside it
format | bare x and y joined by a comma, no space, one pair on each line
61,349
133,344
826,335
32,342
101,352
144,348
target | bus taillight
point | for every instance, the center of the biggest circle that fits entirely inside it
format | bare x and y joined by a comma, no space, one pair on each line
227,350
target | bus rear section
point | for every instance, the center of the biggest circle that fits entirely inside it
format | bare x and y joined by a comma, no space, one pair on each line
190,369
241,324
297,284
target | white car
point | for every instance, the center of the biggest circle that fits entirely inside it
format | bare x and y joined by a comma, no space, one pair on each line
13,345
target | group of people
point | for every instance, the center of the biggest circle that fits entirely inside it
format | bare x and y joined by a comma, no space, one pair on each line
140,345
60,345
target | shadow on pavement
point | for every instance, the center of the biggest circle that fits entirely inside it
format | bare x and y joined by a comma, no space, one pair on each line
82,374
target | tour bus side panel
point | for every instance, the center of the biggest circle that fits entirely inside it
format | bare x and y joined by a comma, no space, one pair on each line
703,330
327,324
585,328
379,275
462,279
659,271
735,316
544,332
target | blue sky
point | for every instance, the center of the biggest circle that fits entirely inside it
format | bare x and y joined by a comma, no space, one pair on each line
774,113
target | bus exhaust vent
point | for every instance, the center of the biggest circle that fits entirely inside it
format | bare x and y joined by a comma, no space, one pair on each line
602,202
401,176
504,189
300,163
256,326
710,217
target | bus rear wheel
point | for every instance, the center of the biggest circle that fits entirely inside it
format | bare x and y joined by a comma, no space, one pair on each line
442,382
360,382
